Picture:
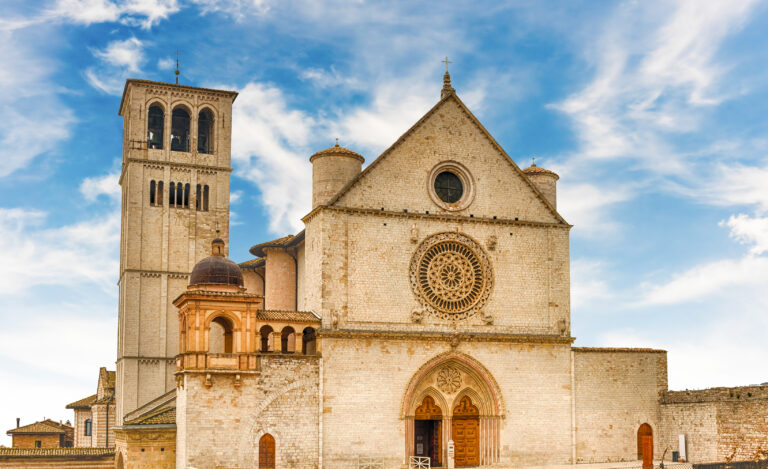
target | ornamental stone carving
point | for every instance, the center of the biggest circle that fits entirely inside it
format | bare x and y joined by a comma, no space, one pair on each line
448,379
451,276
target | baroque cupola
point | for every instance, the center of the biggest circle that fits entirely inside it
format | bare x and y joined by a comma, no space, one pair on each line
332,169
545,181
216,270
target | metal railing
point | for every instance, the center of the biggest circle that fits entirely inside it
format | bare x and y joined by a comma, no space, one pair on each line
419,462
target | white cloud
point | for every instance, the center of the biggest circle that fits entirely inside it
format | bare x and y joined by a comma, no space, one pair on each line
35,119
92,188
118,60
166,64
588,284
144,13
588,208
749,230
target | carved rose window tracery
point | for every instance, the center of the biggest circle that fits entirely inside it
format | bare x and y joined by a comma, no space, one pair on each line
448,379
451,276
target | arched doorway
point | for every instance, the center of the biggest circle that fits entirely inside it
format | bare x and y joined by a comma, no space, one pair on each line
466,433
428,431
267,452
645,445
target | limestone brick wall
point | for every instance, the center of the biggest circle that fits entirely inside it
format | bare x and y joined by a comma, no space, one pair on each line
720,424
357,266
220,425
616,391
280,280
57,462
103,434
28,441
146,448
546,184
365,379
81,415
329,174
300,279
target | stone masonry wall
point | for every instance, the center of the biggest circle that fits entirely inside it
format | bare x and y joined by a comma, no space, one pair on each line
617,390
720,424
365,380
281,400
81,415
28,441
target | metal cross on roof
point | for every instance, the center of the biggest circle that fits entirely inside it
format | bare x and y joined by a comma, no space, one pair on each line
446,62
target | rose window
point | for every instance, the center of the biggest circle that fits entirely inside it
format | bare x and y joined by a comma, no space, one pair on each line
451,275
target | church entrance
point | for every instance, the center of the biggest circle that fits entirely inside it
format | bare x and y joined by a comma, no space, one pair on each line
466,433
645,445
428,431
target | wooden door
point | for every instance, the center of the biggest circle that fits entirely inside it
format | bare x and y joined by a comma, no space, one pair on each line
645,445
267,452
465,431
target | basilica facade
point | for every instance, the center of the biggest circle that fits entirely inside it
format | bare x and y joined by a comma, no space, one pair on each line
423,312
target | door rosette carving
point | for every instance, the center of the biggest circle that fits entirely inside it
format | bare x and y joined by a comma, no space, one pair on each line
451,276
449,379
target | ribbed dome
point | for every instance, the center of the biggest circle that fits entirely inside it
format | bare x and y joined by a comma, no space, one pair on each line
216,269
336,150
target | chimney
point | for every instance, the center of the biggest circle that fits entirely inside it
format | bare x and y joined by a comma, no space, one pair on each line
18,420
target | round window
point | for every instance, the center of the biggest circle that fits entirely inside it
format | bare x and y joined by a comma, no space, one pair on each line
448,187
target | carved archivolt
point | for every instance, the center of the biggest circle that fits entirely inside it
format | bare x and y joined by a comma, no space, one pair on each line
451,276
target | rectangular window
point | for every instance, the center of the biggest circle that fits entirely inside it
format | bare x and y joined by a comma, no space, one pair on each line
205,198
186,195
152,192
38,443
160,193
88,427
198,194
172,195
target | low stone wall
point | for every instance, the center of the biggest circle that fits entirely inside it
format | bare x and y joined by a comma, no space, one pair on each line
58,458
720,424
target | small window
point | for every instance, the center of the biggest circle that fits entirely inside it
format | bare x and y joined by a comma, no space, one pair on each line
205,198
152,192
180,130
172,195
205,132
198,195
179,194
155,125
186,195
288,340
38,443
87,427
159,193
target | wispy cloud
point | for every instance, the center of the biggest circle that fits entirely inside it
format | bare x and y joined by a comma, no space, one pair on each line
144,13
118,60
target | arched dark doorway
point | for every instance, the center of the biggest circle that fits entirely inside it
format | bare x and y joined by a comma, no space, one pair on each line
428,431
267,452
645,445
465,432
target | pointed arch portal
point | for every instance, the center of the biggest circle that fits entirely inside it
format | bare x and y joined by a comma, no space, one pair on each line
453,397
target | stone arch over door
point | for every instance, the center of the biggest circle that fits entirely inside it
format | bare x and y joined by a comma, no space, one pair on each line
446,379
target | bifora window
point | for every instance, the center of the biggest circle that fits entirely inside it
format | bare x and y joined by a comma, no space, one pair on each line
448,187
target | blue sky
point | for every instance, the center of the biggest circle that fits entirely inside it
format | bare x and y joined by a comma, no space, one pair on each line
654,113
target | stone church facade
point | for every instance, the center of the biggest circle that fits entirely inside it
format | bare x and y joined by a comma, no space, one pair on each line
427,301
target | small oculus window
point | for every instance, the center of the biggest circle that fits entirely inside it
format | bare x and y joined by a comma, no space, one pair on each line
448,187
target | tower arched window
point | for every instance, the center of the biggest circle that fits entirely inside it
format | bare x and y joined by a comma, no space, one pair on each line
152,192
186,195
205,198
159,197
179,194
172,195
201,198
180,129
220,336
205,131
155,126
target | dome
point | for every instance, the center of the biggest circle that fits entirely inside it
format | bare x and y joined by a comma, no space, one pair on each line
533,169
337,150
216,269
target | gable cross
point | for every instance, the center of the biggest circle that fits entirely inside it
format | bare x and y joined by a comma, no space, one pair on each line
446,62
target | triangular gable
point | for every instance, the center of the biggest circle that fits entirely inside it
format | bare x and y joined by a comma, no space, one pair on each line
449,97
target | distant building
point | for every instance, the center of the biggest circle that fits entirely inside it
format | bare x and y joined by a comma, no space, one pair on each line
95,414
43,434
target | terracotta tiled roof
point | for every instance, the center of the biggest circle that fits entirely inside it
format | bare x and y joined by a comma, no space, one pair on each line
533,169
162,416
108,399
295,316
63,452
616,349
253,263
336,150
258,249
44,426
84,403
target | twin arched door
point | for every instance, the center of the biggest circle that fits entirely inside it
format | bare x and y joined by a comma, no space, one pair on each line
463,428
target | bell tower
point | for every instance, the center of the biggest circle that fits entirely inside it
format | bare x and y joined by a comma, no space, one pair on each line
175,201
